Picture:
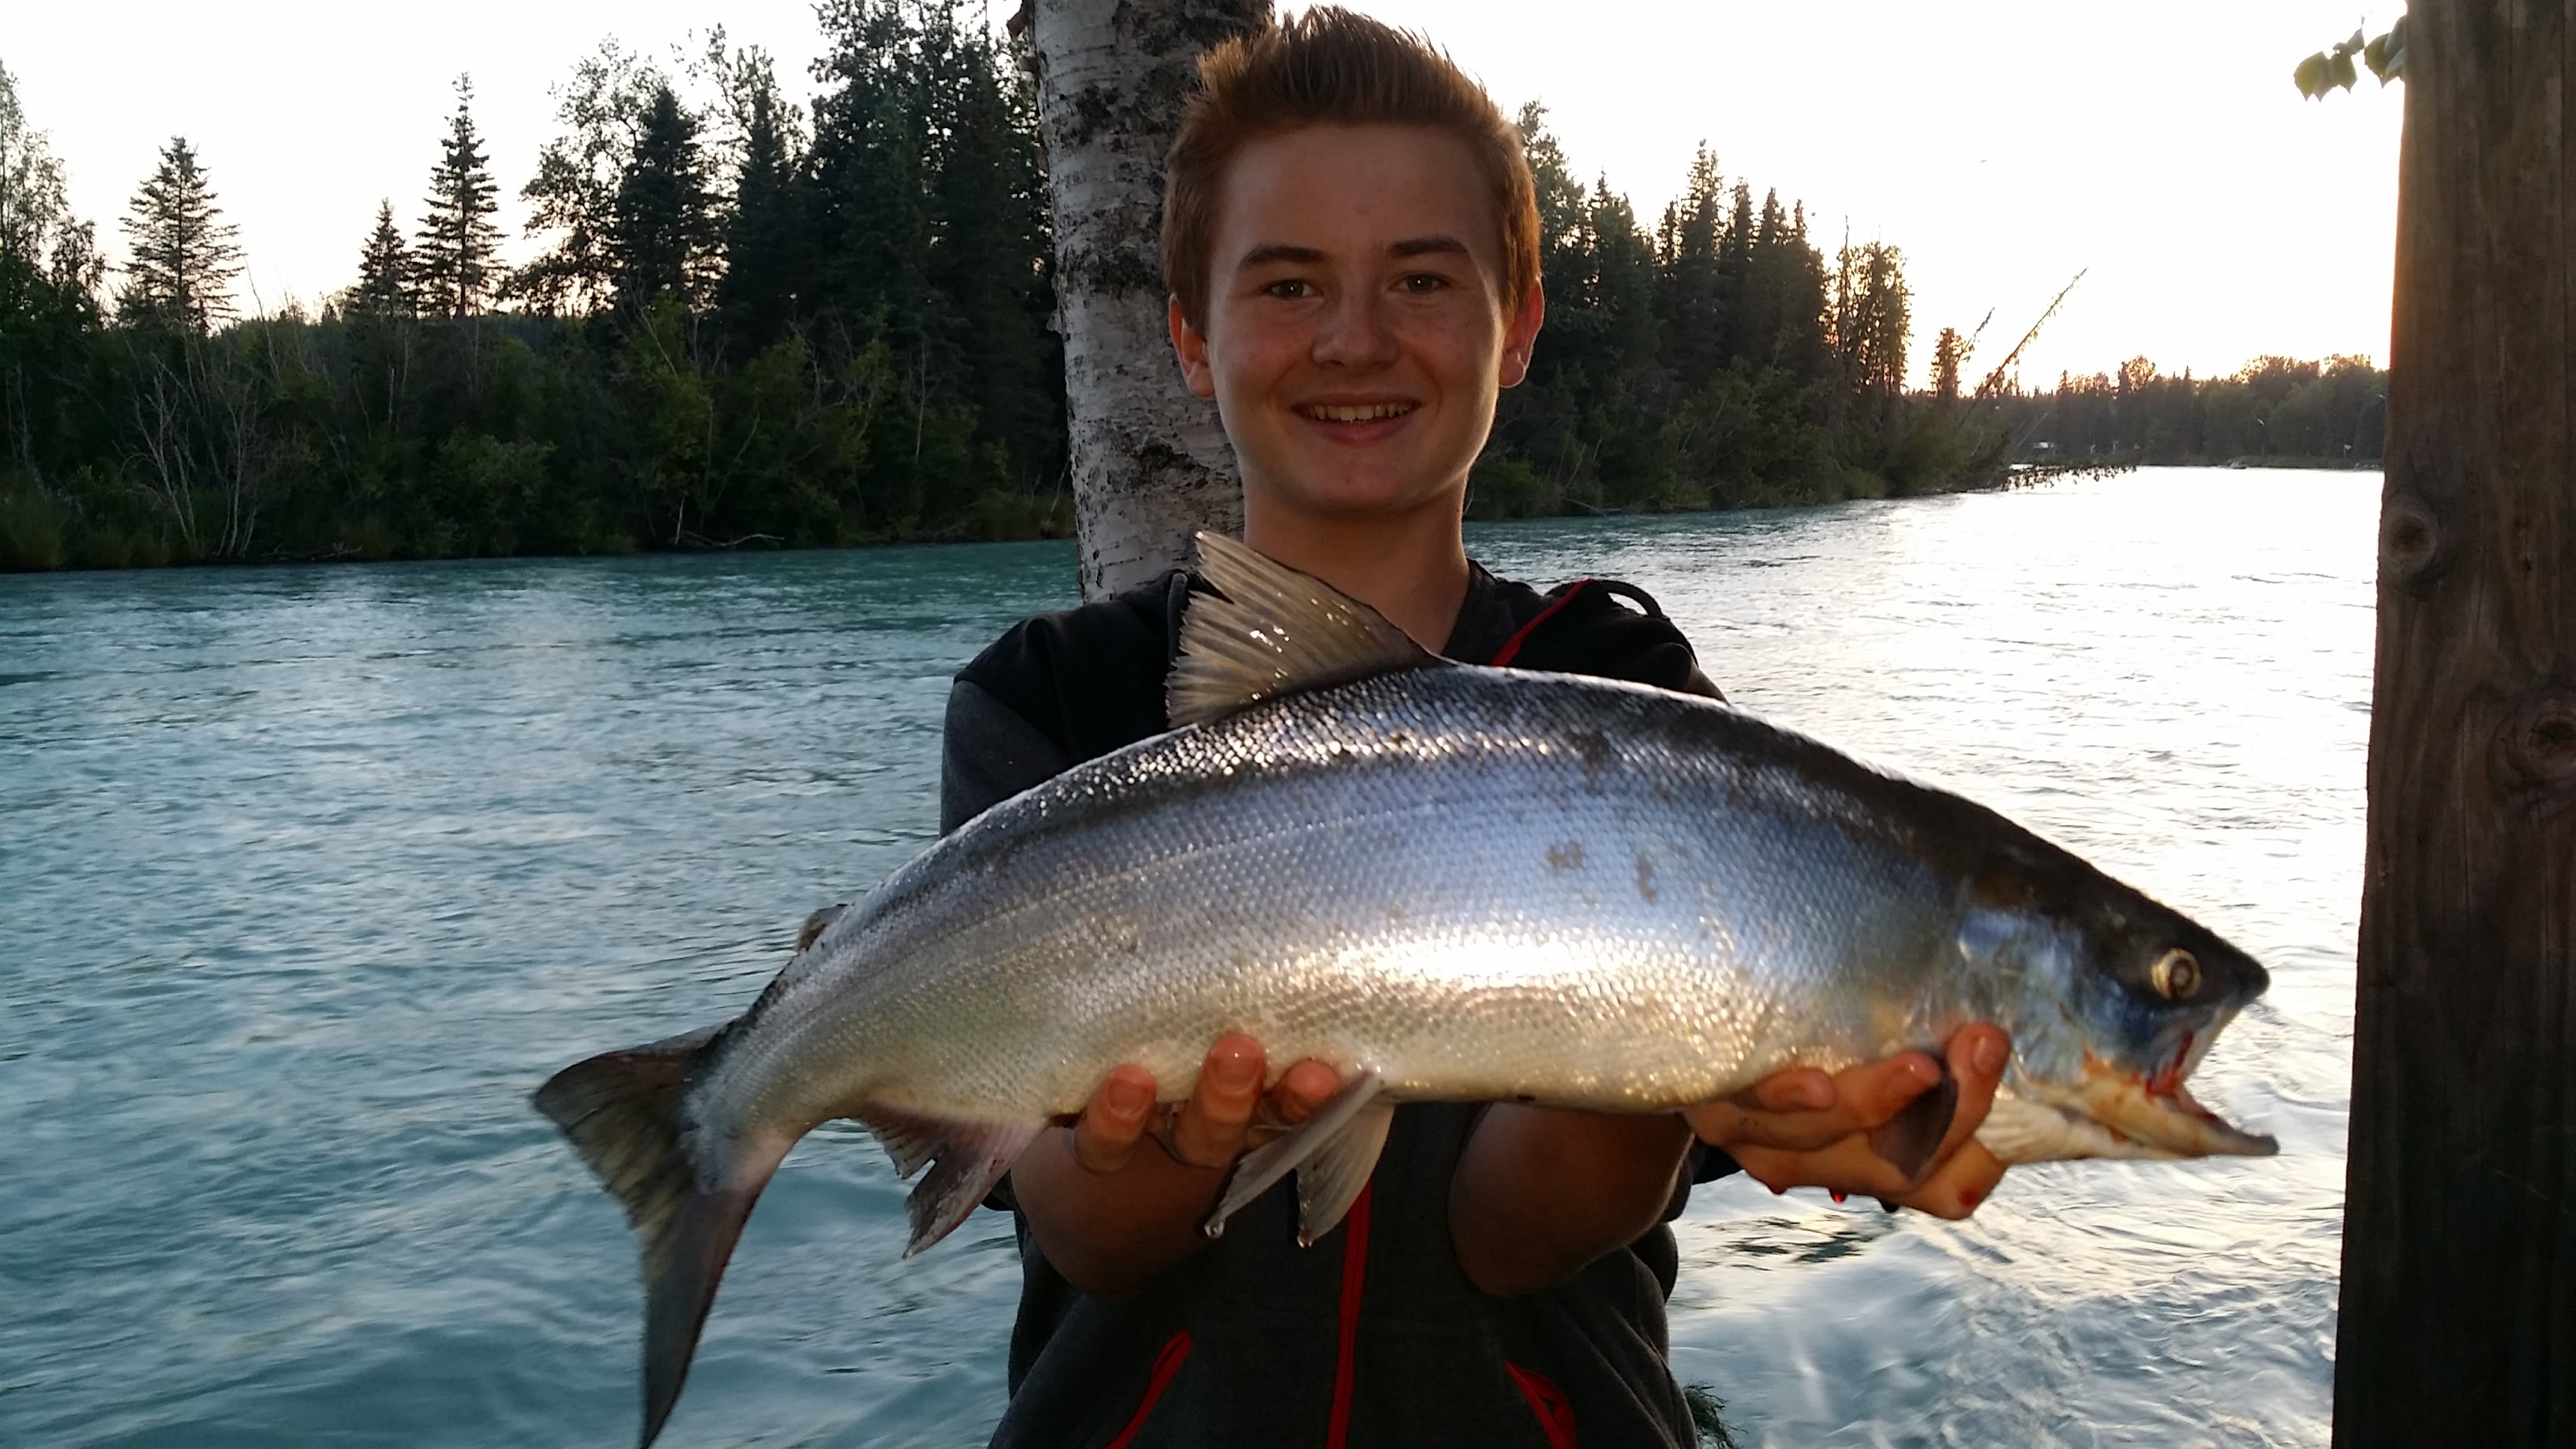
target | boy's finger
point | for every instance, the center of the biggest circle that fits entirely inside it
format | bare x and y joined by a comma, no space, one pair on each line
1209,1131
1873,1092
1303,1088
1112,1123
1795,1089
1959,1186
1860,1098
1976,1055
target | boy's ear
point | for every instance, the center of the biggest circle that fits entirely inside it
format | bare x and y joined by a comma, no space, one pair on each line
1191,349
1521,335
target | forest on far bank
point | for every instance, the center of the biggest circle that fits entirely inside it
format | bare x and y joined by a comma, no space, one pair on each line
754,320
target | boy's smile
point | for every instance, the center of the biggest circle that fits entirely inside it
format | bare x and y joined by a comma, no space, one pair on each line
1356,331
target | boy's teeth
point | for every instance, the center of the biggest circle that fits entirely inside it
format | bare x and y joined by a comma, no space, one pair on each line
1367,413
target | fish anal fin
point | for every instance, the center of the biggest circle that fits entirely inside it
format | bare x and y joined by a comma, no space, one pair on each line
686,1194
1274,631
1264,1166
972,1157
1330,1181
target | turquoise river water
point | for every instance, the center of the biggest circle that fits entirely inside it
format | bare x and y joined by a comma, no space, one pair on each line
311,874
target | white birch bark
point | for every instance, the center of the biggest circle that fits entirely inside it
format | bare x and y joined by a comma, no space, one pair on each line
1150,463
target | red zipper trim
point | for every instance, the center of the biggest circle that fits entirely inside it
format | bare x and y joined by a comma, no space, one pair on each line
1346,1353
1167,1363
1511,649
1555,1413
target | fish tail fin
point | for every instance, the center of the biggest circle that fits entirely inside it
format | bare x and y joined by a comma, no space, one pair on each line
686,1196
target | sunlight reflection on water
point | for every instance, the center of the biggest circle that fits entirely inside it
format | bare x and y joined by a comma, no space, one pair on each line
315,871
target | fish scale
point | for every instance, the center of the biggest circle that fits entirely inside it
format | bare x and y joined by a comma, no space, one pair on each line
1446,882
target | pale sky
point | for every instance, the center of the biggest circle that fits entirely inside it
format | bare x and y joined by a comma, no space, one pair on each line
2003,144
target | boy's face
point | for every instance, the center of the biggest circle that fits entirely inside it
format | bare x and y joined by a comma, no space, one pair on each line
1355,330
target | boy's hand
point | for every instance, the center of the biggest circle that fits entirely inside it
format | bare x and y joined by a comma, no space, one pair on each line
1803,1128
1111,1209
1215,1126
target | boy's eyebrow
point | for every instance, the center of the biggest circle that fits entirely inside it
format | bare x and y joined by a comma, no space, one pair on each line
1420,246
1278,252
1415,246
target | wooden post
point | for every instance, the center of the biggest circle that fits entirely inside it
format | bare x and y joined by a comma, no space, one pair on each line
2458,1319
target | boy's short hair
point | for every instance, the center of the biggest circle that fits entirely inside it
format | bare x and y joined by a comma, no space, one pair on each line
1329,67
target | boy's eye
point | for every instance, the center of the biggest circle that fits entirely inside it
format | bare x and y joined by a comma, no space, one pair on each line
1290,288
1419,283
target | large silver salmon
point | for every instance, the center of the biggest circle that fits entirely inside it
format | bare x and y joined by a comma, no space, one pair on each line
1451,883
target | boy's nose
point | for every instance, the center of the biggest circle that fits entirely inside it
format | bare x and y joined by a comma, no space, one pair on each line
1354,331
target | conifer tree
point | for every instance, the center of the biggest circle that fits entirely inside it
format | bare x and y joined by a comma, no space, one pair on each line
762,242
1734,266
664,230
1693,301
183,250
455,265
1949,353
986,193
384,286
867,215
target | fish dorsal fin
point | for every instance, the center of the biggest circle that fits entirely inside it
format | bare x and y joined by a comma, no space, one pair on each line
1275,631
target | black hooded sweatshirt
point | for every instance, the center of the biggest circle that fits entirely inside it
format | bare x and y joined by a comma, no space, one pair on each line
1372,1338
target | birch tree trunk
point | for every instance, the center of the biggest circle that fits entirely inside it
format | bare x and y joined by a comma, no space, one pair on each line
1150,463
2458,1321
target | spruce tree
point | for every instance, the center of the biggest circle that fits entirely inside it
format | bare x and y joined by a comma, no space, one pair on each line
758,294
866,210
1949,354
1693,301
987,193
664,228
1734,268
184,255
454,266
384,286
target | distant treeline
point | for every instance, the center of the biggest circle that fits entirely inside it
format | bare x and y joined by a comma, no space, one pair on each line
1719,360
2276,410
755,321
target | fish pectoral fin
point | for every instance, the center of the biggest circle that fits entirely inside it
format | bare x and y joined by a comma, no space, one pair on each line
1318,1140
1330,1181
817,923
972,1158
1272,630
1910,1139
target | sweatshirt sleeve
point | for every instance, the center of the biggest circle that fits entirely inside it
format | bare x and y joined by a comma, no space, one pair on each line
989,753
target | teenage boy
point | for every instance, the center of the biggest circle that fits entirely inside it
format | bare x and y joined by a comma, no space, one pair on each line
1350,240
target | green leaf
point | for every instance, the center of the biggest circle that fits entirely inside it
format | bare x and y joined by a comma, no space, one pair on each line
2375,55
2344,74
2310,77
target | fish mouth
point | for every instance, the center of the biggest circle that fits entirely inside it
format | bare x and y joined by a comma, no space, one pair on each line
2160,1114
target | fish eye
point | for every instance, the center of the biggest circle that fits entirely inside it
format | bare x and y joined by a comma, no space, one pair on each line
2175,975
